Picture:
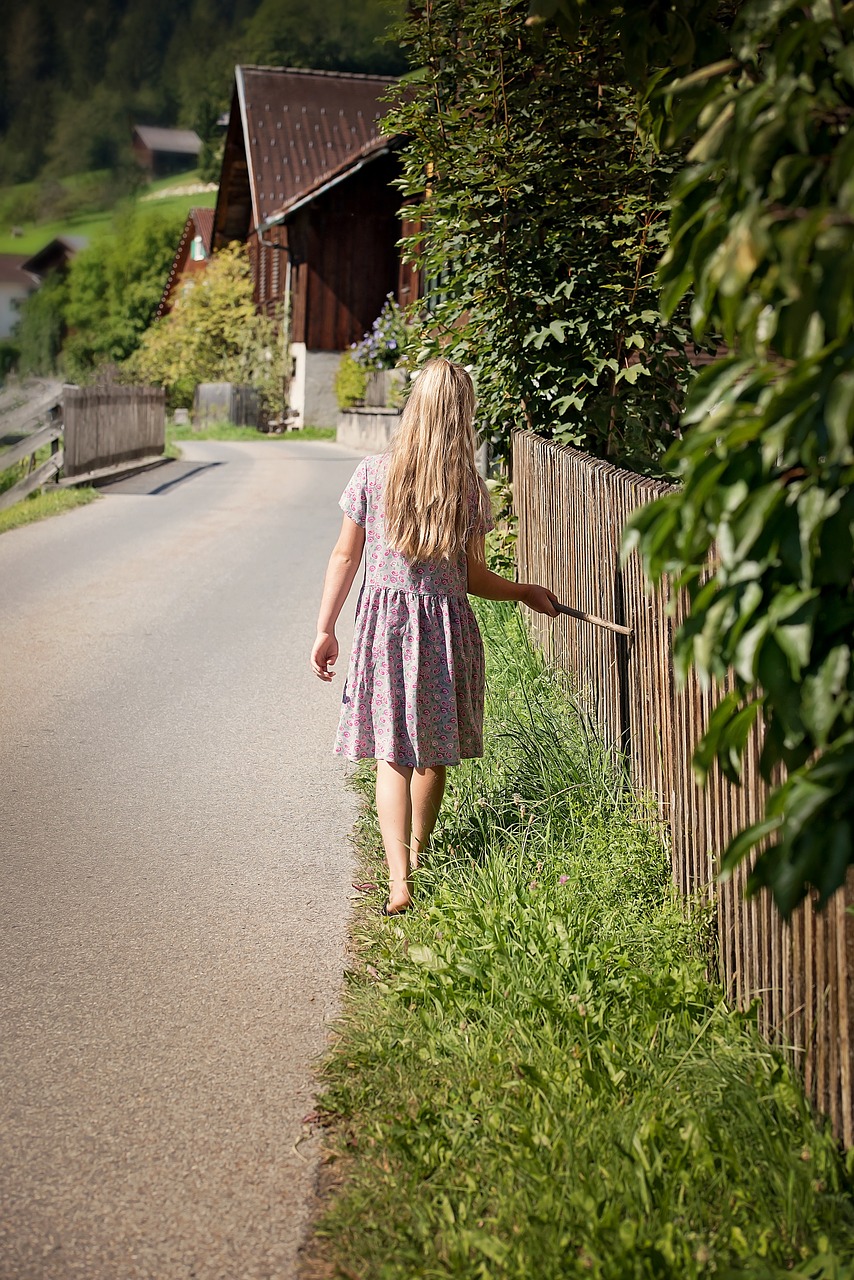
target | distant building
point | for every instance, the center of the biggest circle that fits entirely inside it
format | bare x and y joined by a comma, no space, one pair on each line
55,256
308,183
165,151
192,255
15,286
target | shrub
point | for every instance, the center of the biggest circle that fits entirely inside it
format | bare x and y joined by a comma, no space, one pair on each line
385,345
351,380
212,334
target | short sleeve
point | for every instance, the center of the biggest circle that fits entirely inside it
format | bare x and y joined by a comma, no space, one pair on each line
354,499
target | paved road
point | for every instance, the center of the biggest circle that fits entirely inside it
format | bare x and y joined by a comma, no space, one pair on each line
174,876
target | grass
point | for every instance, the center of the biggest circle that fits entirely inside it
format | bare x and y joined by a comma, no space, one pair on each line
228,431
12,475
50,502
93,222
534,1075
37,234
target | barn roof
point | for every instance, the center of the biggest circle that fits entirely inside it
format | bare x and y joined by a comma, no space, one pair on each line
199,223
202,220
176,141
56,253
13,270
298,129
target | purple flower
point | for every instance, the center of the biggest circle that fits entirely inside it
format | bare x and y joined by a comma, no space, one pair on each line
563,879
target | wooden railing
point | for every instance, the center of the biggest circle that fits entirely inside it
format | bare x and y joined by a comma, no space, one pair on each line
572,509
93,433
37,437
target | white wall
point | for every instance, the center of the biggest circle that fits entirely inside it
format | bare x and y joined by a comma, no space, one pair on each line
312,389
10,294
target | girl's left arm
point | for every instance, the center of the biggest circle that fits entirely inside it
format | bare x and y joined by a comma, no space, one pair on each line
340,572
491,586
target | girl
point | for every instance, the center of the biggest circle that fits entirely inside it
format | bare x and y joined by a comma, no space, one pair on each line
414,693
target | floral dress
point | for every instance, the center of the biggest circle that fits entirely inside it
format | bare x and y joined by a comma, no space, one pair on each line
414,691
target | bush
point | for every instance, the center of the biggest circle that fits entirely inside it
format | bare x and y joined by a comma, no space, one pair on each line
9,356
212,334
385,345
351,380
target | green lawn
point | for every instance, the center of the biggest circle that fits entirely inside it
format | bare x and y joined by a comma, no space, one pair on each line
228,431
38,234
50,502
535,1076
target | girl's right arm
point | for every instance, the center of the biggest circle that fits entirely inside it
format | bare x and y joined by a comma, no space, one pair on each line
491,586
340,572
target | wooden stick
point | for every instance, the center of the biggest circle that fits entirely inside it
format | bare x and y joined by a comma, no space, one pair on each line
591,617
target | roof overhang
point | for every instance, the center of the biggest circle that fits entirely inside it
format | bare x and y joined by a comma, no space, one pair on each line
282,215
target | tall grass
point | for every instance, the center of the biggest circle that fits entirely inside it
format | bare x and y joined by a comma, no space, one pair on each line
49,502
535,1075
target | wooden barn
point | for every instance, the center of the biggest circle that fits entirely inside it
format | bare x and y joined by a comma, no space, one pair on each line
165,151
307,181
56,255
191,256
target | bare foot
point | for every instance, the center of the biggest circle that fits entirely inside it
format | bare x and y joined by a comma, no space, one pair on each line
399,899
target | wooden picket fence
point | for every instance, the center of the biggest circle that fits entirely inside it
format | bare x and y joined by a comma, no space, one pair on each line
572,509
94,433
110,427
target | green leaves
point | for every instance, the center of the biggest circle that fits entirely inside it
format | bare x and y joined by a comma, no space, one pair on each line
212,334
763,229
542,224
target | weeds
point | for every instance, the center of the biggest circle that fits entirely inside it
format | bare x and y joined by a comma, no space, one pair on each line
50,502
535,1077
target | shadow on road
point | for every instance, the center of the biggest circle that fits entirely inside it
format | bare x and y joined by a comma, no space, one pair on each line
158,480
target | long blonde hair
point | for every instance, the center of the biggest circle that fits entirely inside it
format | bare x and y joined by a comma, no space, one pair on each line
432,488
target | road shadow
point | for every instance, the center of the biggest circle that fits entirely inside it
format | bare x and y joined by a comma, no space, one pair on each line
158,480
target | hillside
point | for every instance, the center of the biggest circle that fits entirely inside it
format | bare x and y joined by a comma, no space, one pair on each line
173,195
75,74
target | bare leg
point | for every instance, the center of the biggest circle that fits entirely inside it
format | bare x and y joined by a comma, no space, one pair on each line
426,787
394,810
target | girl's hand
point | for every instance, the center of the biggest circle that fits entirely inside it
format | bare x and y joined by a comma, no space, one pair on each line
540,599
324,655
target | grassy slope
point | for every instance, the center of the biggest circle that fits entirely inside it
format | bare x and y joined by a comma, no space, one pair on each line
38,506
36,235
535,1076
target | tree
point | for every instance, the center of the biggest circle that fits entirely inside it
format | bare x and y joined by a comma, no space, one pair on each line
340,36
761,533
542,218
212,334
114,286
41,327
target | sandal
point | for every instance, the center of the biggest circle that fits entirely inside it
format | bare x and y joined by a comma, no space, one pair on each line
384,911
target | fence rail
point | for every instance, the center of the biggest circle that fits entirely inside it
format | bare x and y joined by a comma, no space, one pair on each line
93,432
572,509
37,476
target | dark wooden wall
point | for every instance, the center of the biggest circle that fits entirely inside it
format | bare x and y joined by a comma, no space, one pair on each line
345,256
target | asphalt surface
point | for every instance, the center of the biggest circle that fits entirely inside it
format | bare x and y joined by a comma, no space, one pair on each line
175,870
